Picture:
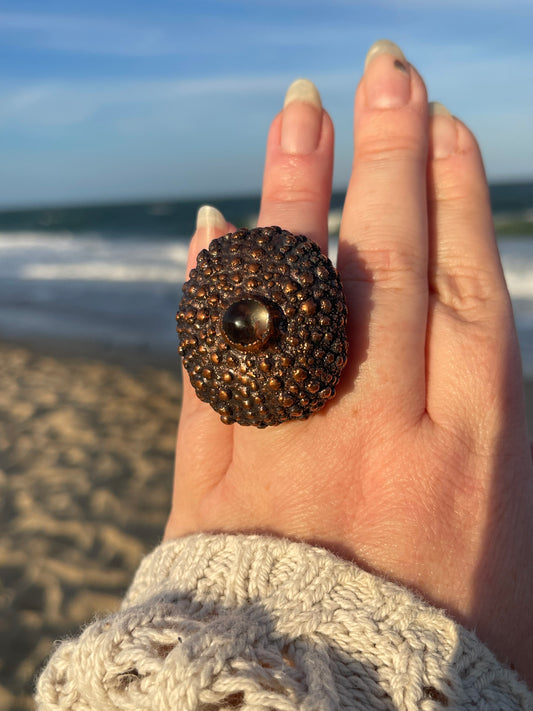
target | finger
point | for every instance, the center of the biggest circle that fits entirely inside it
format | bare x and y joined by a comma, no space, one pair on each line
210,224
383,237
470,310
204,443
296,196
464,259
299,166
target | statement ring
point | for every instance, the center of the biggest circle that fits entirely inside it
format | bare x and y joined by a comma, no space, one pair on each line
262,327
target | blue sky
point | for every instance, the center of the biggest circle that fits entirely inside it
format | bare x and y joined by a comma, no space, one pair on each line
109,100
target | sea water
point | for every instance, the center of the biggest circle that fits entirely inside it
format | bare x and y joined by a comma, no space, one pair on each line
111,275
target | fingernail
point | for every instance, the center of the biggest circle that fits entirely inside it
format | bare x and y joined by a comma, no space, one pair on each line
210,219
387,80
302,118
302,90
443,131
384,46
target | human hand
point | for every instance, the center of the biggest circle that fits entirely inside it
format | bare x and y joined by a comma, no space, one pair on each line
419,469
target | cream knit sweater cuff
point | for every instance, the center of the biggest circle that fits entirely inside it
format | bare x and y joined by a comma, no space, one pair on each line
247,622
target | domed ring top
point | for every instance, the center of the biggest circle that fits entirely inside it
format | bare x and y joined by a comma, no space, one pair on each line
262,327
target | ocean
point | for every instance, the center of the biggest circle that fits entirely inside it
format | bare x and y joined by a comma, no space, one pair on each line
109,276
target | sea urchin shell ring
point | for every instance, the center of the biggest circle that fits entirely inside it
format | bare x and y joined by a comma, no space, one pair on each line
262,327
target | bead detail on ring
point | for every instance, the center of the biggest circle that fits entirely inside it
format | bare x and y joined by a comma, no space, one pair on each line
247,324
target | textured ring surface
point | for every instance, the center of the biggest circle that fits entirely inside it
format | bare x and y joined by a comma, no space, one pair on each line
262,327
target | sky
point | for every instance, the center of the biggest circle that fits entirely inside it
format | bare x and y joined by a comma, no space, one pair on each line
114,100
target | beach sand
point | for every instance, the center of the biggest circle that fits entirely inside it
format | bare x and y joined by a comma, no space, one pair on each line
86,461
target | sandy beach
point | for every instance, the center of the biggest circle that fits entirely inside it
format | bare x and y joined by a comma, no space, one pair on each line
86,459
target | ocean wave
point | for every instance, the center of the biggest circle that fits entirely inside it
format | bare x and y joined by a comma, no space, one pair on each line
517,260
91,257
520,284
59,242
126,290
102,271
94,257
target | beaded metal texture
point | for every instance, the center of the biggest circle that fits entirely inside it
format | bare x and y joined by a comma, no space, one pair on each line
262,327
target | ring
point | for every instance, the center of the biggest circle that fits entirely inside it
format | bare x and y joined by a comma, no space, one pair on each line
262,327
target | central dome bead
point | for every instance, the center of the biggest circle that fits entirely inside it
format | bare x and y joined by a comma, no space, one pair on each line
247,324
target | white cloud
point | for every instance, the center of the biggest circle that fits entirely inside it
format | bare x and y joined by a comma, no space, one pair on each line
130,37
65,103
465,79
365,7
144,135
86,34
193,37
202,35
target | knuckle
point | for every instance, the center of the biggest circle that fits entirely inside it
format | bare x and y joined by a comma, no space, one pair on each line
456,197
381,150
469,290
293,181
296,194
291,190
385,139
386,264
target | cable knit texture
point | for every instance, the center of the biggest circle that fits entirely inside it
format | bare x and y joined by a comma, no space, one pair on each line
254,623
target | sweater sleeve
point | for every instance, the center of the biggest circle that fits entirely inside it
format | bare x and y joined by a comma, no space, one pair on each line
216,622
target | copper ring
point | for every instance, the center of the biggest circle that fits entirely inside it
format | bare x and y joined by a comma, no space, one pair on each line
262,327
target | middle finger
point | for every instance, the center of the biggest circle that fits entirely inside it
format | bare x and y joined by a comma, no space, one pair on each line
383,238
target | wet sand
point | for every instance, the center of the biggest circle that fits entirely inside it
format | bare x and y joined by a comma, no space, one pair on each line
86,461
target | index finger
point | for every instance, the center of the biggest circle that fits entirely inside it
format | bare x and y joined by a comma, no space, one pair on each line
204,446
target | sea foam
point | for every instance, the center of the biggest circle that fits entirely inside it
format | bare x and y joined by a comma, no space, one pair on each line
125,290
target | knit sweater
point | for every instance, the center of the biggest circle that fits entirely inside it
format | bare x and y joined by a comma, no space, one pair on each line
220,622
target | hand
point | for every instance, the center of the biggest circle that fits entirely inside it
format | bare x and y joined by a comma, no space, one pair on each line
419,469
